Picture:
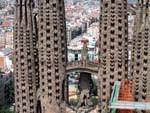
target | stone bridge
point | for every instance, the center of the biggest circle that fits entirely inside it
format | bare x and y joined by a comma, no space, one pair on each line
82,66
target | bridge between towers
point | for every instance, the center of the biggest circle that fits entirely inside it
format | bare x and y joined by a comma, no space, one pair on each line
82,66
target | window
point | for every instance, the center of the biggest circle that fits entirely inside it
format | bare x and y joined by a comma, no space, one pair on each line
104,86
55,27
145,60
57,91
137,71
42,76
138,56
49,81
43,90
24,110
104,100
105,43
104,50
104,93
112,32
112,84
57,97
112,47
112,69
48,46
112,1
54,5
60,8
49,87
31,94
120,43
119,73
104,72
55,34
41,34
106,5
144,90
23,91
145,53
41,19
49,94
105,35
112,77
48,30
24,104
18,99
47,1
119,36
31,107
119,28
42,70
112,39
112,24
145,68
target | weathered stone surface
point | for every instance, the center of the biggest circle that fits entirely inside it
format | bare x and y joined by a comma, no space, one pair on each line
112,48
25,75
141,52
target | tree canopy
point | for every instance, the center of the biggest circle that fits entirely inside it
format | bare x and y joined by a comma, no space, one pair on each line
5,110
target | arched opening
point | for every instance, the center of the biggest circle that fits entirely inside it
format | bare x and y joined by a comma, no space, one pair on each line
39,109
82,91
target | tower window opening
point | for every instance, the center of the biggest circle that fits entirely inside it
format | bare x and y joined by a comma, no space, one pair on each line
112,1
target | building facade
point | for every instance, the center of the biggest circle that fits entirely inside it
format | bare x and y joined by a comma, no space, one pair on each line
52,49
25,75
112,48
141,53
40,56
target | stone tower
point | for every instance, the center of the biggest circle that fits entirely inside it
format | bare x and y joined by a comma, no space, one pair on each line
52,55
141,52
112,48
25,75
40,56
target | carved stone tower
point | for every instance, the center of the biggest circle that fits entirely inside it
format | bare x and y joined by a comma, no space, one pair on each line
25,75
141,52
40,56
112,48
52,54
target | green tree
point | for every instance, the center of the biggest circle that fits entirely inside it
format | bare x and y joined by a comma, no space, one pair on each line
4,109
11,92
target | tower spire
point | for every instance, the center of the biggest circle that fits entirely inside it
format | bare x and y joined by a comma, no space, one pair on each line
52,54
25,88
113,48
141,52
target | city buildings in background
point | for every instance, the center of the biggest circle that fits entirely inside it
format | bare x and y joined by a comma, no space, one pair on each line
81,22
6,56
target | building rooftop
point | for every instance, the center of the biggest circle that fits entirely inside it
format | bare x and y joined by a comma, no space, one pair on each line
6,51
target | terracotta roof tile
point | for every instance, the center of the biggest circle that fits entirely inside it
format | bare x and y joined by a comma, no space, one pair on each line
1,62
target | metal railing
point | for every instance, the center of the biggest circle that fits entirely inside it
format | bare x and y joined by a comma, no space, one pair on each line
117,104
